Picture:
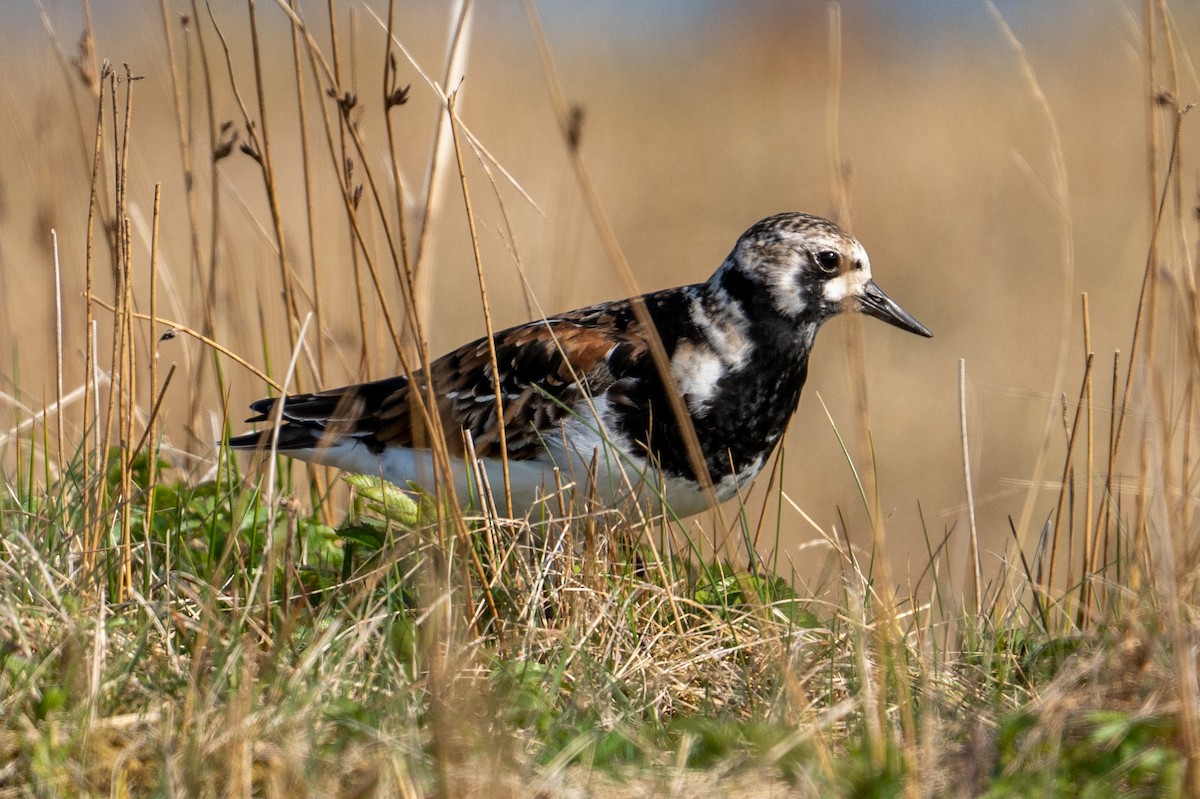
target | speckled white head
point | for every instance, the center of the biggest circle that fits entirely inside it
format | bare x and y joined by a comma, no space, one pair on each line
809,270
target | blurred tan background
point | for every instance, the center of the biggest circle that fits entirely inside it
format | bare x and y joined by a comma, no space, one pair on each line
699,119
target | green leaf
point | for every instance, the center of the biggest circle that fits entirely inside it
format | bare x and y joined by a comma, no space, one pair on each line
385,499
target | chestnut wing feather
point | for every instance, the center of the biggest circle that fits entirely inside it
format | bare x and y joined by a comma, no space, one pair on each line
545,368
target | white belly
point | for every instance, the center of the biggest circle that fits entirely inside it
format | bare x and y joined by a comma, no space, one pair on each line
571,478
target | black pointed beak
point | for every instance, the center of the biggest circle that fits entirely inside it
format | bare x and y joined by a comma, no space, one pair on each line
875,303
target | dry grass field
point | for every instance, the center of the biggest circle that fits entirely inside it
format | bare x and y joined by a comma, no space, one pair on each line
1007,168
690,133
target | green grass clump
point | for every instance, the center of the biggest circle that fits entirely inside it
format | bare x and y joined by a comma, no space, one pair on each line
367,663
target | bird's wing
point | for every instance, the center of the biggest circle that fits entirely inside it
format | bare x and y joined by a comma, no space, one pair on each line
546,368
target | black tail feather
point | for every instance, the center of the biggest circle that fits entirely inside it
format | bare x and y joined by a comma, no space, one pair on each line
291,436
306,417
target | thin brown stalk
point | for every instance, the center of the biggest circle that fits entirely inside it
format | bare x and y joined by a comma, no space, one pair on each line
1106,497
150,426
119,362
833,108
481,151
1181,213
309,207
127,399
1048,586
1180,630
1085,587
266,162
413,318
317,477
183,130
91,499
350,205
58,347
351,202
439,159
152,421
1183,252
120,159
342,167
976,567
214,151
394,96
150,435
1152,124
255,147
497,388
1147,299
1143,319
183,134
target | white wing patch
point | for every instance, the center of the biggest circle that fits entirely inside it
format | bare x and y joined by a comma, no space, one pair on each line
697,369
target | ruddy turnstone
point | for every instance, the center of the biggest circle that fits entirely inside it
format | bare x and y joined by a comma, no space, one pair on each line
583,399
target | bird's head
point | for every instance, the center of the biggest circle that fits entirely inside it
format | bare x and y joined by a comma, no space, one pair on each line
808,270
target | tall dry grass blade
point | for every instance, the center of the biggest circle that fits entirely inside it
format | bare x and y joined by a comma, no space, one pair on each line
345,102
220,144
1148,297
153,354
150,435
1088,564
121,380
976,566
1101,536
263,155
91,506
394,96
1048,586
266,562
1173,100
836,168
462,15
343,168
58,348
1150,59
183,134
1142,320
128,399
1165,571
152,422
497,388
310,211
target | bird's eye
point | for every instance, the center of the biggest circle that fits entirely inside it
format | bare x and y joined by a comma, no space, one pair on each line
829,261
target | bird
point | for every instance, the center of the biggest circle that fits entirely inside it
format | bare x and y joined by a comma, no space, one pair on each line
586,408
